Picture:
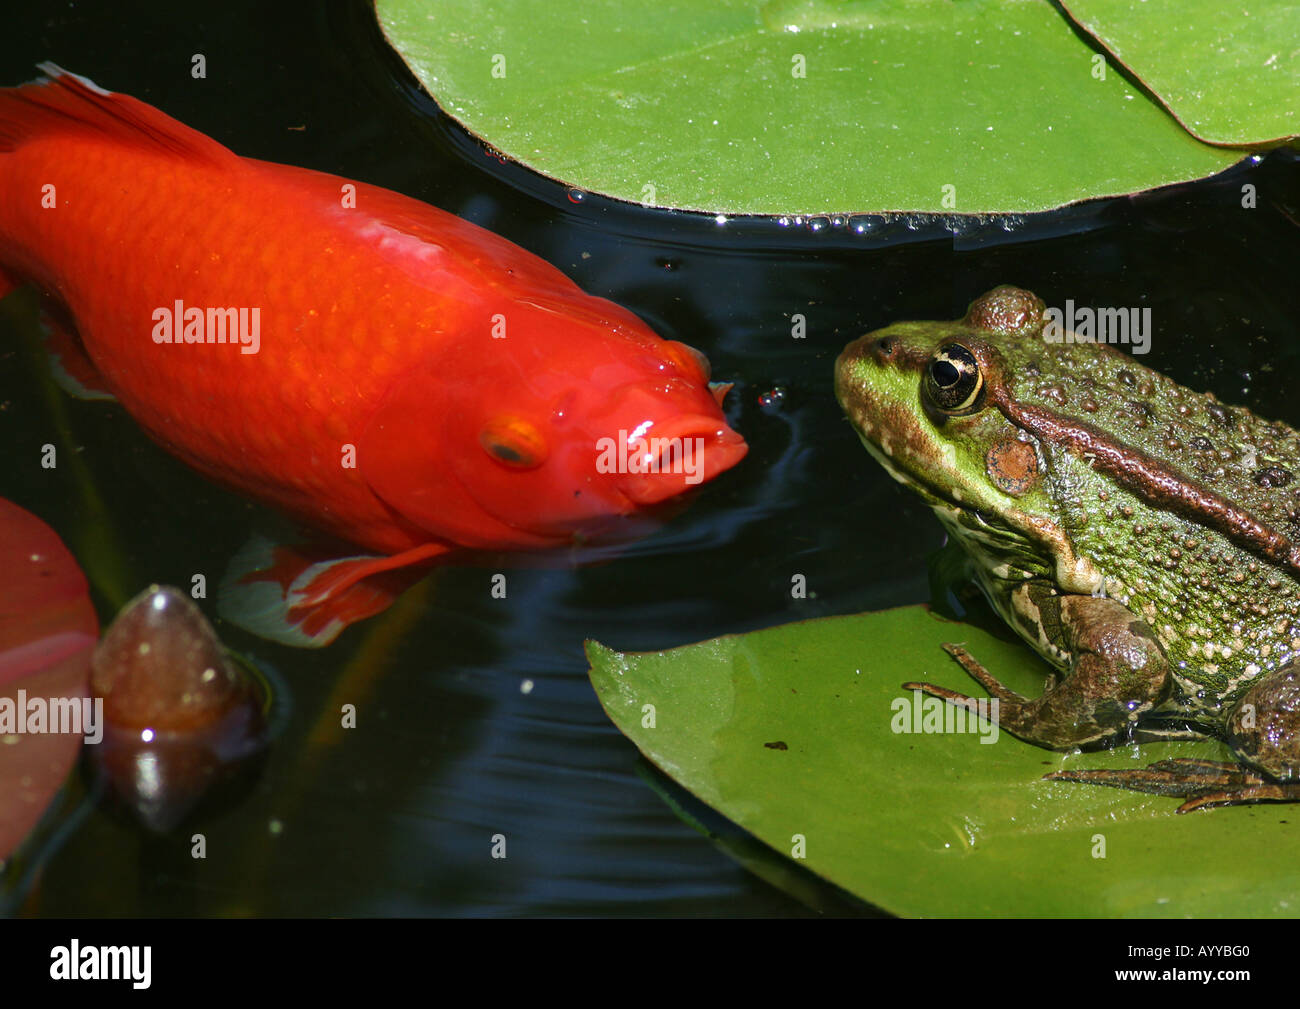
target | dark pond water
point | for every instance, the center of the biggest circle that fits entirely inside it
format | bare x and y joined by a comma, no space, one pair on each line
396,817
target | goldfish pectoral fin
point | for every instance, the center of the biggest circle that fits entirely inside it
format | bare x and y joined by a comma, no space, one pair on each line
285,594
72,369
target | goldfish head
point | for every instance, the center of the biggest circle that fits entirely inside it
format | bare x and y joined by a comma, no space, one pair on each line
571,421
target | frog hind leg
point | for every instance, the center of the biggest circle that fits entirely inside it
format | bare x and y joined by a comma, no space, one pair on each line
1264,725
1263,730
1118,674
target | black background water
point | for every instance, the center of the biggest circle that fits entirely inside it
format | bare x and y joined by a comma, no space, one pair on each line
397,816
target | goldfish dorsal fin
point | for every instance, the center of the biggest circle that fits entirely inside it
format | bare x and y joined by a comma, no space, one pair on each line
63,101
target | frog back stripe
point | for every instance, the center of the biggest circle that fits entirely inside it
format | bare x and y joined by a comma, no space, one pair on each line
1156,483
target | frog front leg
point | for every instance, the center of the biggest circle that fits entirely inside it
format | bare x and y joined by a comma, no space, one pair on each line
1263,730
1117,673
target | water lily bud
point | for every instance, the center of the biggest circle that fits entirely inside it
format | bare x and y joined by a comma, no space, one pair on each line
179,714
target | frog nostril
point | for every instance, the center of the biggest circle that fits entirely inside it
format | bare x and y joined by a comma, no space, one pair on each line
886,346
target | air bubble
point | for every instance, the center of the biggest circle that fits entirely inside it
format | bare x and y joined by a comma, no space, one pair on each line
772,399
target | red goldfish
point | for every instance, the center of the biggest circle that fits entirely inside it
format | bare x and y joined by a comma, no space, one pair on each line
378,369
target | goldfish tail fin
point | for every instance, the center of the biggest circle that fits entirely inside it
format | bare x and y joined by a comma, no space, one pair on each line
297,596
62,101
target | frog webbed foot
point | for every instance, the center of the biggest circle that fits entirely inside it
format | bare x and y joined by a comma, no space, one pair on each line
1203,783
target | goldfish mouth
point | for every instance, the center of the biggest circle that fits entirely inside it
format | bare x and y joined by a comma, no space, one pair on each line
672,458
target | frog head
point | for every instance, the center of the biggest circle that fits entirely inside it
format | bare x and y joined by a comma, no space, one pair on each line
924,398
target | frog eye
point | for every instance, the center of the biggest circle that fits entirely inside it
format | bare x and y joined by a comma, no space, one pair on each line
514,442
952,379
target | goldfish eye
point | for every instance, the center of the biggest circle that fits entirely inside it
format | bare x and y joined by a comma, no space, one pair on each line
514,442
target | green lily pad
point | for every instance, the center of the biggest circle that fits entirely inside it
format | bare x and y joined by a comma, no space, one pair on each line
1230,74
979,107
788,733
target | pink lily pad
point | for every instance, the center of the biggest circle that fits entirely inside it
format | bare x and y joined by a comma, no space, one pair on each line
48,630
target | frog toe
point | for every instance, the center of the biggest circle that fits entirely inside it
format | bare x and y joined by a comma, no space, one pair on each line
943,693
981,675
1203,783
1265,791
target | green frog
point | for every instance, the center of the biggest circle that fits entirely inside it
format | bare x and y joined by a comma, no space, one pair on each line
1140,536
